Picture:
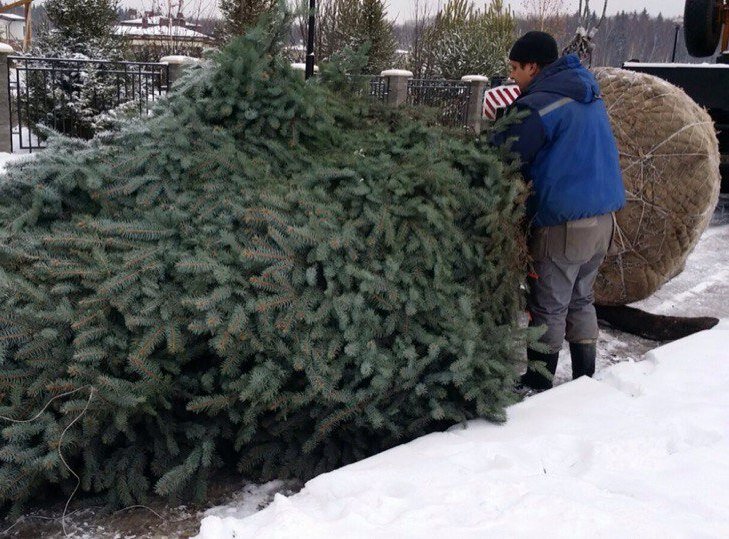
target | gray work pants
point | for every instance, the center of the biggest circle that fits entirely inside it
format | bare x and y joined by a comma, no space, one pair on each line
566,259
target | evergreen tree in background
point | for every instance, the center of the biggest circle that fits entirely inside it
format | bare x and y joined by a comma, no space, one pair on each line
465,40
267,275
65,96
336,20
352,24
375,30
82,26
240,16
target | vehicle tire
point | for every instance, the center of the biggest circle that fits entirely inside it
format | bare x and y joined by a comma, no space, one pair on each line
702,26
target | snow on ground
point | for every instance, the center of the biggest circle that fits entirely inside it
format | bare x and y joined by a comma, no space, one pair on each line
641,452
9,157
251,499
702,289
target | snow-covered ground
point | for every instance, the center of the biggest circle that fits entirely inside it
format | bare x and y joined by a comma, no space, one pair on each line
643,451
640,451
9,157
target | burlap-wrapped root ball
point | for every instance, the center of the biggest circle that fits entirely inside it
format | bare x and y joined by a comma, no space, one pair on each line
669,154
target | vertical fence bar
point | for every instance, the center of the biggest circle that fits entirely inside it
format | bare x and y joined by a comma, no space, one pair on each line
47,99
27,112
19,66
6,115
140,89
126,80
118,89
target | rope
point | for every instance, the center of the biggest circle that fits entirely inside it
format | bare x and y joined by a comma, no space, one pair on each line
78,479
36,416
60,441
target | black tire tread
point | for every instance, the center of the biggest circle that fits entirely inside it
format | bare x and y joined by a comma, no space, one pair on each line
702,27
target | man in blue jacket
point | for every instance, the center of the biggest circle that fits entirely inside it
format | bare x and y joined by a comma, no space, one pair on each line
570,159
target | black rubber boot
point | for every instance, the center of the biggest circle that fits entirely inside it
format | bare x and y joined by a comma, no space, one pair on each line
583,359
535,380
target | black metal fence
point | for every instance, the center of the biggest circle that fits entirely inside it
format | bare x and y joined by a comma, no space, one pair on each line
378,87
450,97
373,86
68,95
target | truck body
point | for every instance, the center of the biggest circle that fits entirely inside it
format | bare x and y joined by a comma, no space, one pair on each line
708,85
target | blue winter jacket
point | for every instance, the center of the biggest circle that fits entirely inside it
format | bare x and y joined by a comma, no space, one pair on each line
566,146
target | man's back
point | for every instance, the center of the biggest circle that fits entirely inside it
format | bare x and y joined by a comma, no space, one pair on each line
567,146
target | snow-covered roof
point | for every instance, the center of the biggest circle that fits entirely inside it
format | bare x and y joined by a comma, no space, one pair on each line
155,20
159,31
12,17
140,21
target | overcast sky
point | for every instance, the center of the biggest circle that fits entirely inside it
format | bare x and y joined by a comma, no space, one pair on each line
402,10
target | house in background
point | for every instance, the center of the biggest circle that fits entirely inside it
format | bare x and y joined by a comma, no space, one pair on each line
158,30
12,29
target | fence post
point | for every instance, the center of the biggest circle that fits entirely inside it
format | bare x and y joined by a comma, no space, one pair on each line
5,120
474,111
175,65
397,85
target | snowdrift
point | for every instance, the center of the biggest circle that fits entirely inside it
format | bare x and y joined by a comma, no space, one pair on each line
643,452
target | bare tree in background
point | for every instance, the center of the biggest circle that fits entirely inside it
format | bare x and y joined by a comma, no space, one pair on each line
420,57
545,15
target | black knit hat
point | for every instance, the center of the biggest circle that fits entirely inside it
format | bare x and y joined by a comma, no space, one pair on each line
537,47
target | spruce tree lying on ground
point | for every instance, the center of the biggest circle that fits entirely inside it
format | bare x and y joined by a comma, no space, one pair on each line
268,274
